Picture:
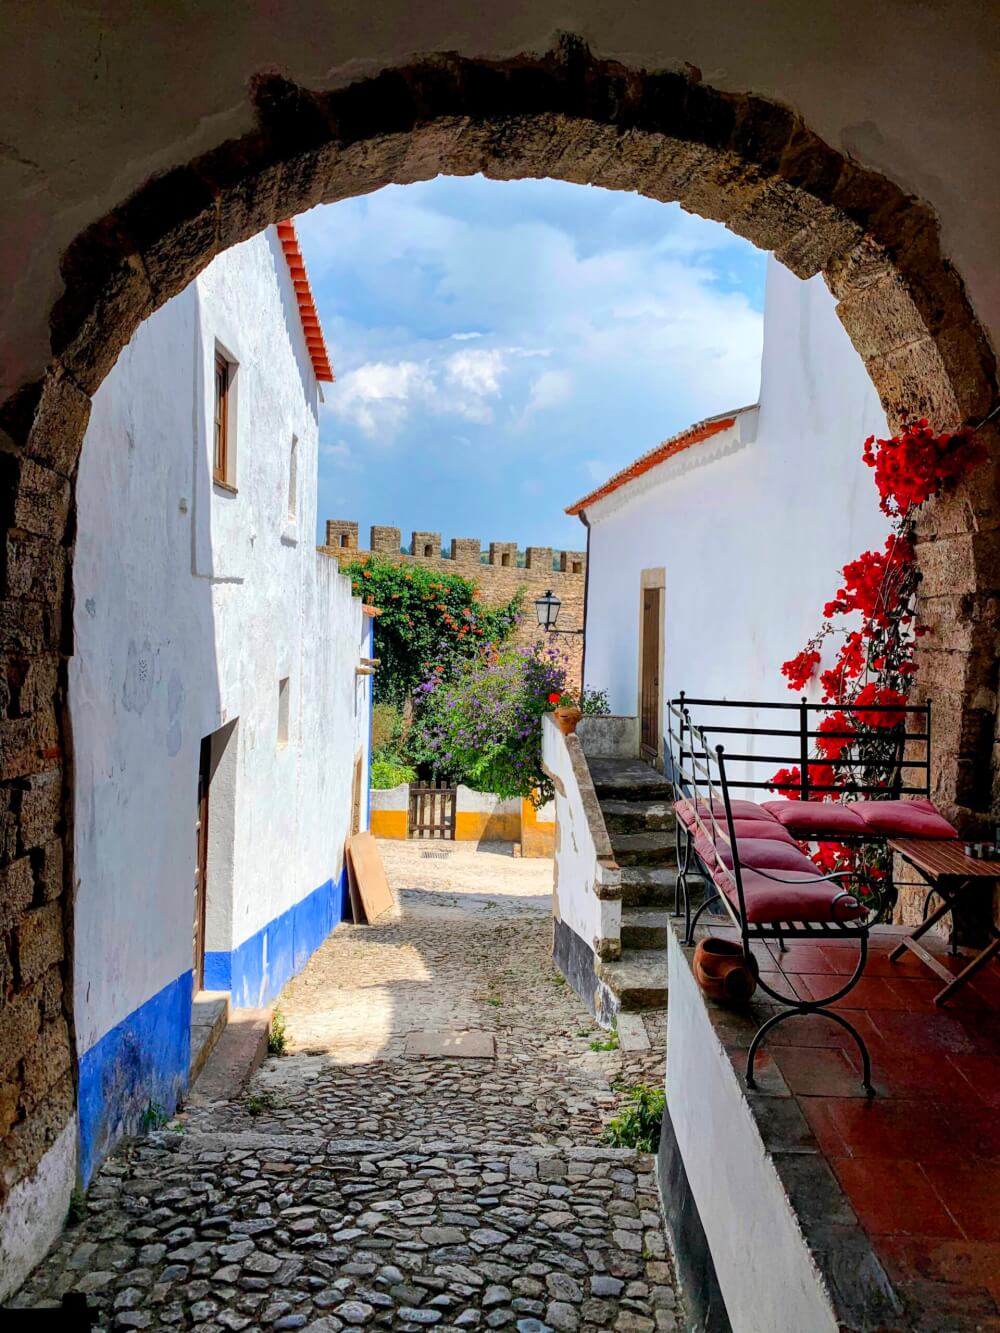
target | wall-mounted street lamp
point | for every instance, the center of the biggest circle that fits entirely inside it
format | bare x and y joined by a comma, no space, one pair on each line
547,611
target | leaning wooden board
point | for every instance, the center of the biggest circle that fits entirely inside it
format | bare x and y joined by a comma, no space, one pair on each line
371,896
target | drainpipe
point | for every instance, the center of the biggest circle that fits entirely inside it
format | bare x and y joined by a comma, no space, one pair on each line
586,596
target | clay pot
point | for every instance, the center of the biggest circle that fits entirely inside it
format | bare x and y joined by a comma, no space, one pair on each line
722,972
566,719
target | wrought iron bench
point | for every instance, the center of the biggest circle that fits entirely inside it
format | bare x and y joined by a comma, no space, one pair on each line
765,882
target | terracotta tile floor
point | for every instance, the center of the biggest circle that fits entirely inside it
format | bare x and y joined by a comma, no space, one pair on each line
919,1163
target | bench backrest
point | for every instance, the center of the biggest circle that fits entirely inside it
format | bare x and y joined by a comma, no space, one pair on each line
896,762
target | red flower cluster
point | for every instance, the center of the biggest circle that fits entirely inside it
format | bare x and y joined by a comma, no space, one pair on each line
801,669
849,665
872,583
874,693
833,746
915,464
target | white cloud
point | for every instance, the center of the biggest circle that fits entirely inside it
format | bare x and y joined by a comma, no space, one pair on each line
464,337
476,372
550,389
377,395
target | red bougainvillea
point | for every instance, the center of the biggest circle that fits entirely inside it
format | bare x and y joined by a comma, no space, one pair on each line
916,464
872,665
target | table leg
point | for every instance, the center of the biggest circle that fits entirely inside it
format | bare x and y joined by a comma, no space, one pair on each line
924,926
967,973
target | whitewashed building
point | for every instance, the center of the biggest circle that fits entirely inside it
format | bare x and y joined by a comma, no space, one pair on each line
711,556
221,728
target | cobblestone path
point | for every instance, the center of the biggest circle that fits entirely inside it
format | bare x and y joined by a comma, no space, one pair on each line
356,1187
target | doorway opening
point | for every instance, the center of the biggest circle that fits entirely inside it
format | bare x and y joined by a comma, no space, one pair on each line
651,666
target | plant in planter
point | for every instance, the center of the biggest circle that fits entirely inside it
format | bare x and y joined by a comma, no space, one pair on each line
566,711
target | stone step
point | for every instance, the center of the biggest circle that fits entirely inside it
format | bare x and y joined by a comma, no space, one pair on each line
644,849
628,780
638,979
638,816
645,928
237,1053
648,886
209,1016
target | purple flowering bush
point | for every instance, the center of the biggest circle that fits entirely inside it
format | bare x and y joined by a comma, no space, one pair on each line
481,723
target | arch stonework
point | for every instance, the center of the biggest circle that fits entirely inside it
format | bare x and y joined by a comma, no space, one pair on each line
740,160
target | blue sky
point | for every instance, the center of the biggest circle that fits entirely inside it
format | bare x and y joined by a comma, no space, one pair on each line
502,347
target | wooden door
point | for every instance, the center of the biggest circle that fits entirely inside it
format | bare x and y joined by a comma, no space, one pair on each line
201,864
649,674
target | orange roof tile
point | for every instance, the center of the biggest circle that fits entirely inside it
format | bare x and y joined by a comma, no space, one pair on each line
311,326
701,430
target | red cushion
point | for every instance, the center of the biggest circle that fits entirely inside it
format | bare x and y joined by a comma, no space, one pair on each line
906,819
759,853
810,820
759,828
797,898
741,810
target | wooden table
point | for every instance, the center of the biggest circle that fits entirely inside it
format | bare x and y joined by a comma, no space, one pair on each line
945,868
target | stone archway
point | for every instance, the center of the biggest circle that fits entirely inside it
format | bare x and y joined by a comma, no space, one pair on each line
743,161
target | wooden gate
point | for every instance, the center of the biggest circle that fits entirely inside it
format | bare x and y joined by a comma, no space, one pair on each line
649,694
432,810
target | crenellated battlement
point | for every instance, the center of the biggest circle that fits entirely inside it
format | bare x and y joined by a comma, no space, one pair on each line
499,572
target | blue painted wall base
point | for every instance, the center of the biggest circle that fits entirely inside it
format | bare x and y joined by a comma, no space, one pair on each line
141,1064
255,971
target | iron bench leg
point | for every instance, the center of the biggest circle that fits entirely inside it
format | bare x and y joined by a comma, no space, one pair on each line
819,1007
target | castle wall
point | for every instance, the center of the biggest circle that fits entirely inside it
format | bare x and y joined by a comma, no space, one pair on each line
498,580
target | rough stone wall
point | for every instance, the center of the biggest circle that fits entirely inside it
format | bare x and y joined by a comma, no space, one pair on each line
498,581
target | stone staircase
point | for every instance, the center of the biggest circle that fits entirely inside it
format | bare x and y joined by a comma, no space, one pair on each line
636,803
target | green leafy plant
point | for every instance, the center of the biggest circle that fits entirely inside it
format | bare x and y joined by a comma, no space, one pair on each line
637,1124
610,1042
427,619
481,724
256,1103
77,1210
387,729
276,1038
153,1117
388,773
594,703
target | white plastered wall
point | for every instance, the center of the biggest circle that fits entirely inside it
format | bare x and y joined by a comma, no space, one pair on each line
750,556
191,604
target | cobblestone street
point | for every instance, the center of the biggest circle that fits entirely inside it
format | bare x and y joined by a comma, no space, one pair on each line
357,1185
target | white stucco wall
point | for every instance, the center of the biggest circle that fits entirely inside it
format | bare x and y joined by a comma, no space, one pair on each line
767,1276
191,603
581,865
749,555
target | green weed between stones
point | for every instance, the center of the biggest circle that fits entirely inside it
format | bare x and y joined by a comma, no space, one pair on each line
276,1039
608,1043
153,1117
637,1124
256,1103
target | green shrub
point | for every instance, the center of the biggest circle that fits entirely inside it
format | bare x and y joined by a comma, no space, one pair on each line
594,703
482,723
387,728
427,619
390,773
637,1124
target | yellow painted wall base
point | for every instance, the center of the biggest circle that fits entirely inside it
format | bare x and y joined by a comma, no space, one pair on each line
538,837
389,823
481,826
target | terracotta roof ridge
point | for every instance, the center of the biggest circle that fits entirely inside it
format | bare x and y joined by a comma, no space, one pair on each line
675,444
311,328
